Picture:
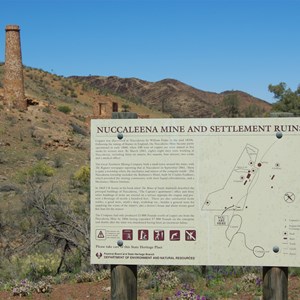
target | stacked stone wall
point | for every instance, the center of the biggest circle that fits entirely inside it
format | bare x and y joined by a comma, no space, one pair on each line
103,107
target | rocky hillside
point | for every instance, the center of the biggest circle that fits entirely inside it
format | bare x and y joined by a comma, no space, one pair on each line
174,97
55,126
164,98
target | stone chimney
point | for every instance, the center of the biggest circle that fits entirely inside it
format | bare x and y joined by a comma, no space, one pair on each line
14,95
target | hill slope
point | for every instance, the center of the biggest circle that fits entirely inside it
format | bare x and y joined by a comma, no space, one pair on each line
47,132
172,96
46,126
55,127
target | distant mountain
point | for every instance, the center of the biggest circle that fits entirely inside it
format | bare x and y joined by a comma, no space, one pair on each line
174,97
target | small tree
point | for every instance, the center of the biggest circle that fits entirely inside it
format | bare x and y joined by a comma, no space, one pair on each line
253,111
81,179
288,100
55,221
125,107
83,175
230,107
38,173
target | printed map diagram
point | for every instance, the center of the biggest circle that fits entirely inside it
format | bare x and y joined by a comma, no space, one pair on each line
234,194
229,204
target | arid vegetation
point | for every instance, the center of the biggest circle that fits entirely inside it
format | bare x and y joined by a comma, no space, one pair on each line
44,192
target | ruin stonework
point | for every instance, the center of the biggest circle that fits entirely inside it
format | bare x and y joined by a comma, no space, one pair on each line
14,95
103,107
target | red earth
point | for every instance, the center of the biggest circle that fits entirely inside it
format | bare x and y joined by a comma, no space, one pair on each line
101,290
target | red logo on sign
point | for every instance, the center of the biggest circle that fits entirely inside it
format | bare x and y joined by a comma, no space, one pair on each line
174,235
143,235
127,234
159,235
190,235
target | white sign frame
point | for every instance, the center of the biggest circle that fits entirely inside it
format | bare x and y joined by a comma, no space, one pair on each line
195,191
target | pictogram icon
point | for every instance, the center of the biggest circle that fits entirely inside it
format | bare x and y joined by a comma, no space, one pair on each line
127,234
159,235
100,234
143,235
174,235
190,235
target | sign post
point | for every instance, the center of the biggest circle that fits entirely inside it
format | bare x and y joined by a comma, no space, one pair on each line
275,283
123,277
123,282
275,279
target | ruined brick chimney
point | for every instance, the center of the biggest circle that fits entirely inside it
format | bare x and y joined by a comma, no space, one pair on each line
14,95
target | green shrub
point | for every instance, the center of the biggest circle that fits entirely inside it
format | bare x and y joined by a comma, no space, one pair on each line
64,108
80,181
47,109
41,169
104,274
92,276
40,154
35,266
82,176
86,277
58,161
294,271
77,129
43,286
38,172
73,94
73,262
167,279
62,278
23,288
144,272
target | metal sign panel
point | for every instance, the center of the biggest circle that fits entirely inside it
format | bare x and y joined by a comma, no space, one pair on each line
195,191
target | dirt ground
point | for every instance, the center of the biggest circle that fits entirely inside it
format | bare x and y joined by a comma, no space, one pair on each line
101,291
79,291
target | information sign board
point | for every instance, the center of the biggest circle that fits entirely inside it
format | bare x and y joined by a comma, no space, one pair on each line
195,191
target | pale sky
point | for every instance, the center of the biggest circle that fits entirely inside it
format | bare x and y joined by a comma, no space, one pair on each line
212,45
